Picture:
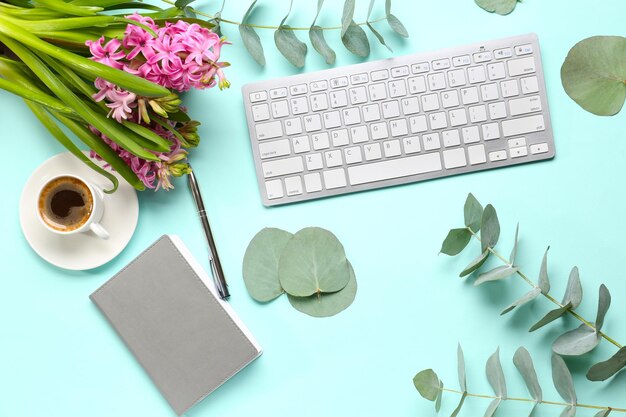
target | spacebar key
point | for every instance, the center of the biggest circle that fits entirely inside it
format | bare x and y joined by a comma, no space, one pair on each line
395,168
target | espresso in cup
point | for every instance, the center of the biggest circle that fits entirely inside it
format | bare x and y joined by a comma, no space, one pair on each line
65,203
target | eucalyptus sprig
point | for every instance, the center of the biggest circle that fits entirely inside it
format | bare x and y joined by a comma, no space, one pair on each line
293,49
575,342
501,7
431,387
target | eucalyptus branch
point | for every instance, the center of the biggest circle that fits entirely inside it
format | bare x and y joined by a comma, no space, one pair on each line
483,225
431,387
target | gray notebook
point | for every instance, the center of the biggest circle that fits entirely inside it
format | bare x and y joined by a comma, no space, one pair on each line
165,308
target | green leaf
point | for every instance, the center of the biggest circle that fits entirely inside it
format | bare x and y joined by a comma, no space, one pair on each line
574,290
529,296
493,407
251,39
439,395
473,213
604,302
501,7
576,342
456,241
327,304
461,368
603,413
495,375
427,384
490,232
394,22
544,282
290,46
181,4
475,264
316,36
551,316
380,37
562,379
457,410
260,263
496,274
313,261
514,250
604,370
594,74
355,40
569,411
524,364
348,14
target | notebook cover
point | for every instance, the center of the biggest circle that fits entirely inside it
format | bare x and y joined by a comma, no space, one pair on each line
165,308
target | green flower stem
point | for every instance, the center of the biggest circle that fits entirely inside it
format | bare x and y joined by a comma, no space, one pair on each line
530,400
233,22
62,7
548,296
34,95
70,23
81,64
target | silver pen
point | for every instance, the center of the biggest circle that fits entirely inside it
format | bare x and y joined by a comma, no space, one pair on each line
214,259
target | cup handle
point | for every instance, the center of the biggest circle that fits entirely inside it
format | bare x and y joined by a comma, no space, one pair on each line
99,231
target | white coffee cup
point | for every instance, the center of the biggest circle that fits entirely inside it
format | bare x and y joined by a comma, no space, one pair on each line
68,204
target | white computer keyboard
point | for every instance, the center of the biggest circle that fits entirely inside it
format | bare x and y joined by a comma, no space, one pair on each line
399,120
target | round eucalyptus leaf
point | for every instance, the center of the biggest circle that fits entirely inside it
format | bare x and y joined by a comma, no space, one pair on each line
501,7
327,304
594,74
260,263
313,261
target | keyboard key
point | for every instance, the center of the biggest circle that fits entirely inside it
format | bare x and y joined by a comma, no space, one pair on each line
299,105
497,110
371,112
491,131
319,102
449,99
476,74
503,53
529,85
358,95
332,119
301,144
451,138
397,88
454,158
293,126
257,96
379,75
526,49
400,71
470,134
338,99
517,142
394,168
356,79
411,145
458,117
398,127
293,185
320,141
523,125
430,102
521,66
379,130
372,151
496,71
469,95
377,91
282,167
456,78
539,148
489,92
460,61
333,158
299,89
392,148
313,123
314,161
431,141
436,81
483,56
339,82
313,182
410,105
351,116
497,156
524,105
335,178
260,112
274,148
478,114
509,88
417,84
438,120
518,152
320,85
418,124
359,134
274,189
268,130
441,64
340,137
420,68
391,109
280,109
476,154
278,93
353,155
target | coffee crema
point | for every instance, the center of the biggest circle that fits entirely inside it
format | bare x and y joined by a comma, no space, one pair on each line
65,203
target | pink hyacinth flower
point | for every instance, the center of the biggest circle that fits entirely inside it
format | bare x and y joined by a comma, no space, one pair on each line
107,54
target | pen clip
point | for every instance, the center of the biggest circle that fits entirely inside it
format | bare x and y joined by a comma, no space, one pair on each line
218,284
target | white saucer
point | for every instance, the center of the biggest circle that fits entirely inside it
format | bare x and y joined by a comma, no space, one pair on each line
83,250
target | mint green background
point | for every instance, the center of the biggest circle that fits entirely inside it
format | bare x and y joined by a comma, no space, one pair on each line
58,356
